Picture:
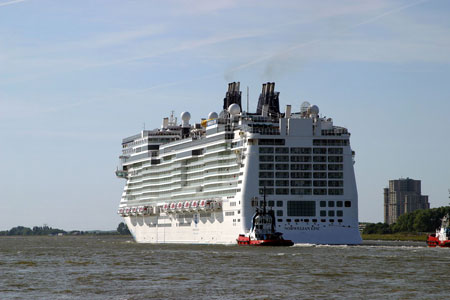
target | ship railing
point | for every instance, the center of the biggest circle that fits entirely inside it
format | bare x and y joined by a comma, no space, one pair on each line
336,131
136,157
262,131
220,187
187,143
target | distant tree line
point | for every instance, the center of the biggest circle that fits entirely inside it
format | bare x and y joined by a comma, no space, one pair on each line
45,230
422,220
37,230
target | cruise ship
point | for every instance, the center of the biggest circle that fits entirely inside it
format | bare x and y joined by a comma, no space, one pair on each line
202,182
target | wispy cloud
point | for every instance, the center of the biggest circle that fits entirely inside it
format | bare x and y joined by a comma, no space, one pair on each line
11,2
196,7
330,40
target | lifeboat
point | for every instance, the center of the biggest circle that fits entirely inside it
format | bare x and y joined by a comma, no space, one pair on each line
179,206
187,206
134,211
120,211
172,207
194,205
144,210
202,205
165,207
442,236
127,211
140,210
263,231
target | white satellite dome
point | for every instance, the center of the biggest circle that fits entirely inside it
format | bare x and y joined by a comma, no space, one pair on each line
234,109
314,110
185,116
212,115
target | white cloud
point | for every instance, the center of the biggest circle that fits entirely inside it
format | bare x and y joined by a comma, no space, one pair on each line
11,2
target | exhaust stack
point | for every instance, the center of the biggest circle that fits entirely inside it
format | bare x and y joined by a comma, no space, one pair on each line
233,95
270,98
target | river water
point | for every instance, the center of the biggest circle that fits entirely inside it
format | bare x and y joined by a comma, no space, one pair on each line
111,267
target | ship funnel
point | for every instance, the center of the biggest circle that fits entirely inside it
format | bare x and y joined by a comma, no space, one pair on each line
270,98
233,95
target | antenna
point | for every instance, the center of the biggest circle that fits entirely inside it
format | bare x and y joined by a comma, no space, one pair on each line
247,99
264,201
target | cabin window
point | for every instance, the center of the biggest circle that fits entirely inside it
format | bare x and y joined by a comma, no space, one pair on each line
281,174
348,204
282,191
282,150
297,191
265,174
282,182
282,167
282,158
297,150
335,191
266,183
268,191
301,208
320,150
279,213
320,191
265,150
266,166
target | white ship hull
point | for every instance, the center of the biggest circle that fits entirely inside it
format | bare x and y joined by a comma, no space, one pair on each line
218,232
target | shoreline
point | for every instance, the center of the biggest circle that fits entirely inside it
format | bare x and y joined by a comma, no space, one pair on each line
395,237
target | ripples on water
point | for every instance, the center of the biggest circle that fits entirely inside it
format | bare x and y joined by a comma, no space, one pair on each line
109,267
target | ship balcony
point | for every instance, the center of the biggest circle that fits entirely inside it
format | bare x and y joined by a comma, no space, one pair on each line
121,174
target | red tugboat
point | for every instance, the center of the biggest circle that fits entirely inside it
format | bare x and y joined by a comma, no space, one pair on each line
442,236
263,231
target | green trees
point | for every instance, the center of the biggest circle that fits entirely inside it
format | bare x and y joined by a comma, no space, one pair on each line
123,229
378,228
21,230
423,220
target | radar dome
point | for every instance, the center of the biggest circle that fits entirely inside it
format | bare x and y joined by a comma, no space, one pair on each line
234,109
212,115
314,110
185,116
304,107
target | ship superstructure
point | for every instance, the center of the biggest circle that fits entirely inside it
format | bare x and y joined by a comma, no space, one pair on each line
203,182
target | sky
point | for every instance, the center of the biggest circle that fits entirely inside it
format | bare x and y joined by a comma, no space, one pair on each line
78,76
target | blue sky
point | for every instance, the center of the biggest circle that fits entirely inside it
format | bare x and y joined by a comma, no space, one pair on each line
78,76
